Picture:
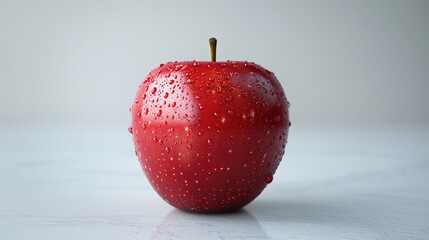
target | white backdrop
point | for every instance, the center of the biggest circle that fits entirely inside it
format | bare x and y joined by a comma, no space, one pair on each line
339,61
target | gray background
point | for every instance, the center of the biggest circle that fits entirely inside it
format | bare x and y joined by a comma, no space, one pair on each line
339,61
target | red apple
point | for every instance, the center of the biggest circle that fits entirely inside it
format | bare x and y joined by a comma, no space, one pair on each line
210,135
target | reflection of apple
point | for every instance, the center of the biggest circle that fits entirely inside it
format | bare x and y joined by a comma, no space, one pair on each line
210,135
236,225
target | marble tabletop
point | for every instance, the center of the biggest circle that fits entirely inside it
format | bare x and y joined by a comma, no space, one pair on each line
335,182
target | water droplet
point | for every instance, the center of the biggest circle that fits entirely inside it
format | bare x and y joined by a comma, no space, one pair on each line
144,96
190,146
146,111
167,149
245,94
197,97
153,90
271,92
160,141
216,114
230,112
229,98
219,89
269,179
162,64
159,113
209,173
136,101
265,105
290,124
190,80
174,104
171,81
130,129
166,95
139,115
210,142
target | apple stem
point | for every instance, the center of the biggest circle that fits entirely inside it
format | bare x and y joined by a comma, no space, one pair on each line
213,42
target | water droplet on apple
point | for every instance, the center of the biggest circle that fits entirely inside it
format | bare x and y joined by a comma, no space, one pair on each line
245,94
159,113
269,179
210,142
230,112
216,114
190,146
139,114
153,90
171,81
130,129
265,105
166,95
219,89
229,98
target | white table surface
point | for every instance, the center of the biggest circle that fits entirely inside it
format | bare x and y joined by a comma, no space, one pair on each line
343,182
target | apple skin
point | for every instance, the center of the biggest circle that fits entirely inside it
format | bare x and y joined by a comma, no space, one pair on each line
210,135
